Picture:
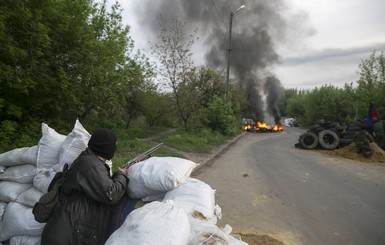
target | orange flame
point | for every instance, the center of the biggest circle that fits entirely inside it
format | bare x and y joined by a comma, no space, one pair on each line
277,127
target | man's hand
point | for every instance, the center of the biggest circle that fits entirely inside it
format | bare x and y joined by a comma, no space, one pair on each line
124,170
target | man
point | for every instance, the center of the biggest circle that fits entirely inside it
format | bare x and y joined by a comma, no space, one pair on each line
87,195
379,134
362,141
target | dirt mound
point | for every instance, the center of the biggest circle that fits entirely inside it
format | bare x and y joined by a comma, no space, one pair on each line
351,152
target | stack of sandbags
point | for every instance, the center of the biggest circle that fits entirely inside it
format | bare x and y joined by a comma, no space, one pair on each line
25,174
174,198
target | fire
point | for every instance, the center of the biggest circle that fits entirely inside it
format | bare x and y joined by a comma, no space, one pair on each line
262,126
247,127
277,127
250,125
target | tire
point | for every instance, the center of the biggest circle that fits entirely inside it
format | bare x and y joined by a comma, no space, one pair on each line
348,135
370,138
328,139
353,129
308,141
316,129
329,125
345,142
340,128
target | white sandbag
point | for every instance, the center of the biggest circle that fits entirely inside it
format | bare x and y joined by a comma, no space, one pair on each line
25,240
43,178
20,174
29,197
195,197
158,174
9,190
19,156
154,197
206,233
49,147
3,205
235,241
18,220
2,169
160,223
74,144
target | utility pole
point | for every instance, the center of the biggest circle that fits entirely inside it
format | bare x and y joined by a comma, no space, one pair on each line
228,57
229,51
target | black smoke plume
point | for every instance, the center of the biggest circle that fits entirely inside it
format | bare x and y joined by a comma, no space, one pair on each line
256,32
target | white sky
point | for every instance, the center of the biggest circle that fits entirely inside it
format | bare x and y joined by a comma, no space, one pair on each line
346,32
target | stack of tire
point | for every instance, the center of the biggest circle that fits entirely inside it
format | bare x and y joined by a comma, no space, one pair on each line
326,135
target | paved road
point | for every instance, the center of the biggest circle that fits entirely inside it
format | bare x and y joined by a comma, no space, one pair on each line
267,186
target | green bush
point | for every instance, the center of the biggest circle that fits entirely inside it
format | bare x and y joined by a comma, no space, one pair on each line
220,117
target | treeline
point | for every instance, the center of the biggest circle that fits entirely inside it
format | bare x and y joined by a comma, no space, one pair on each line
62,59
340,104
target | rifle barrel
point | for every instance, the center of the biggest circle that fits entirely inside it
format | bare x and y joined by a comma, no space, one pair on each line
142,156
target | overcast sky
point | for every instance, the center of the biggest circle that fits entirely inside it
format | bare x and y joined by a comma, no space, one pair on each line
336,36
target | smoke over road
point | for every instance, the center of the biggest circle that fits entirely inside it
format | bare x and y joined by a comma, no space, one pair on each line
257,32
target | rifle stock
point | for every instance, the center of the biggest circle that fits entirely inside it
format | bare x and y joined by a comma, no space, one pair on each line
143,155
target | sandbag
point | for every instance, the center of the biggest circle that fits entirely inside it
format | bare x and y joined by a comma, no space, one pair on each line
19,156
49,147
73,145
154,197
43,178
161,223
21,174
235,241
9,190
158,174
3,205
206,233
196,198
29,197
18,220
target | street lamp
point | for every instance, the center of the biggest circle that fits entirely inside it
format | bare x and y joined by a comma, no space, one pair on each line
229,49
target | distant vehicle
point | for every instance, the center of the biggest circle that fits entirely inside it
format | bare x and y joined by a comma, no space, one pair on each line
290,122
248,124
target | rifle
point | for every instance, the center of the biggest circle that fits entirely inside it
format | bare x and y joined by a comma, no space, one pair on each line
143,155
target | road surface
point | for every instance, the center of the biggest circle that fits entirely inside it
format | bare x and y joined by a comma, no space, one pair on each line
265,185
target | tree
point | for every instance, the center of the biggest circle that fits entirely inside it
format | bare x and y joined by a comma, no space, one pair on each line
371,85
63,59
174,53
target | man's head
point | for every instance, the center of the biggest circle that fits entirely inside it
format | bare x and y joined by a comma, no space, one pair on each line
103,143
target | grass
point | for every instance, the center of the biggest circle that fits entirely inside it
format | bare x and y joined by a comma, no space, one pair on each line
201,142
131,143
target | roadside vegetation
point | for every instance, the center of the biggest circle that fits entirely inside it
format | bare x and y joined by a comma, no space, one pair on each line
200,142
340,104
67,60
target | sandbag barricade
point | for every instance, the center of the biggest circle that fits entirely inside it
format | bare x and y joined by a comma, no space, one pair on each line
179,209
25,174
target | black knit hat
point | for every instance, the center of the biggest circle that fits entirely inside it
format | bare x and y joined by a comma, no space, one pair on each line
103,143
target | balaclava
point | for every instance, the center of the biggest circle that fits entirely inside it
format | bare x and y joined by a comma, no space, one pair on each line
103,143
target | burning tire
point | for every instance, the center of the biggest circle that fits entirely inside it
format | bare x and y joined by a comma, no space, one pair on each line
328,139
308,141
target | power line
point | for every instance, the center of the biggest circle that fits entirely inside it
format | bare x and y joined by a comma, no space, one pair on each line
219,14
221,57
